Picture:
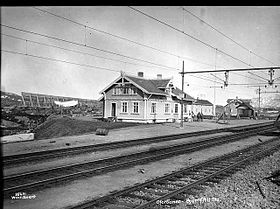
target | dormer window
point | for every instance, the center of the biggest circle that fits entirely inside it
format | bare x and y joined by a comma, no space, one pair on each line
124,90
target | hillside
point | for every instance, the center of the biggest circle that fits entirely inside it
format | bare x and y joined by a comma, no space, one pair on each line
10,99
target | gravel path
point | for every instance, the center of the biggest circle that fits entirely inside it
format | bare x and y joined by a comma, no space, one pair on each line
241,190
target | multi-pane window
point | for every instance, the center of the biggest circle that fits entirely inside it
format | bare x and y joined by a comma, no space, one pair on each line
124,107
135,107
124,90
167,108
176,108
153,108
185,108
133,90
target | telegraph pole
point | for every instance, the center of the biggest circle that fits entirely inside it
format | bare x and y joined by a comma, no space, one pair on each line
182,104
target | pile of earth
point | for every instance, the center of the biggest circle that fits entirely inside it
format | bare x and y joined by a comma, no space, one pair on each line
66,126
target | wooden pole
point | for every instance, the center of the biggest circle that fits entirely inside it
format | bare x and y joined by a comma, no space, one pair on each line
182,104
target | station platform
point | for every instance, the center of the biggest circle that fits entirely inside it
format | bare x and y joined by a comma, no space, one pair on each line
122,134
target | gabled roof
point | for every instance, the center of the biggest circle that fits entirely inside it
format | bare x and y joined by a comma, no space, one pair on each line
203,102
245,105
246,101
178,92
150,86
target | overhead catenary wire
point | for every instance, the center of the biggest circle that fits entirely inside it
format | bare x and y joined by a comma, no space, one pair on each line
79,44
181,31
49,37
207,79
59,60
75,51
71,50
121,37
87,46
223,34
246,76
217,77
73,63
257,76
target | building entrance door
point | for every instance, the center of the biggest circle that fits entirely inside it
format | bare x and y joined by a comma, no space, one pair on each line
113,110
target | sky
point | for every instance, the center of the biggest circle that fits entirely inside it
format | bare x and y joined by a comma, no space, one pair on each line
50,63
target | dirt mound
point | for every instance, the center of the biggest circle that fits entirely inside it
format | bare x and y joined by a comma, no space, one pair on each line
65,126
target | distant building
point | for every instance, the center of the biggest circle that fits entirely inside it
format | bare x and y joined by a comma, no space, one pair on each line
239,108
203,106
44,100
136,99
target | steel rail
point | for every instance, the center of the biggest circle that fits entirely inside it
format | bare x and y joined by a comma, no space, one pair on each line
61,152
113,163
218,167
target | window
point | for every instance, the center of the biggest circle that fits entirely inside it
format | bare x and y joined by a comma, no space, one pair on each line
176,109
133,90
124,107
114,91
167,108
135,107
124,90
185,108
153,108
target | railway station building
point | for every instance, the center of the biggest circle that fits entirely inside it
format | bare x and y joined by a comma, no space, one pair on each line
203,106
137,99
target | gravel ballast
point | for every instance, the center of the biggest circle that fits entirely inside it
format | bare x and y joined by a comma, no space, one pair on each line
241,190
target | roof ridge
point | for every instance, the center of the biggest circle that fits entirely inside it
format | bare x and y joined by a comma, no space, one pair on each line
148,79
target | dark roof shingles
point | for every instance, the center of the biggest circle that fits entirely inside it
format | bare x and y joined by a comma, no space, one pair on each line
150,85
203,102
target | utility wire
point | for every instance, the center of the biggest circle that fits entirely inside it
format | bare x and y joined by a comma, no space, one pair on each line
178,30
246,76
207,79
276,78
79,44
71,50
72,63
58,60
246,84
120,37
75,51
88,46
216,77
223,34
257,75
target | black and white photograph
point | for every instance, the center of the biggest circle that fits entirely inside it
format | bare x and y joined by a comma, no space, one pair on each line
121,107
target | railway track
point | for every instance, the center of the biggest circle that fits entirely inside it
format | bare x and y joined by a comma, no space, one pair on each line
41,178
11,160
174,188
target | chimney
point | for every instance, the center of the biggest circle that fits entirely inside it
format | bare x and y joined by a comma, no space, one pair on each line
140,74
159,76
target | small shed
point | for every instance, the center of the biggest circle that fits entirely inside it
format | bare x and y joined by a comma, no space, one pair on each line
245,110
